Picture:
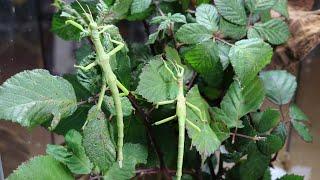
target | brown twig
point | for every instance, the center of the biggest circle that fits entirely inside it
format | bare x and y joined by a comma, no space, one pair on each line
146,121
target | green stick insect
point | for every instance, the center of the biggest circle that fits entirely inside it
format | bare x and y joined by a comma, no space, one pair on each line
181,113
109,79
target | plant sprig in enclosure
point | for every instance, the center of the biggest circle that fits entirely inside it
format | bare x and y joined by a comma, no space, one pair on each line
203,62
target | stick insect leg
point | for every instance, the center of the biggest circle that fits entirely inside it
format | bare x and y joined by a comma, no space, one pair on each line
196,109
116,49
165,120
164,103
193,125
123,89
86,68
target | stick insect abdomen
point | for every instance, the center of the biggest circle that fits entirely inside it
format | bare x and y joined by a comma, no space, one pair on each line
182,115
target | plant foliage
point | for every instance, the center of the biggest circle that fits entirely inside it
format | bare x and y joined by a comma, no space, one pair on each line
203,62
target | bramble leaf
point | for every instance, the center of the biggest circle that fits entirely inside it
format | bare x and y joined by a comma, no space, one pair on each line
74,155
248,57
63,30
274,31
139,6
264,121
41,167
206,141
302,130
98,140
281,7
231,30
260,5
207,16
31,98
125,103
133,154
296,113
239,101
291,177
193,33
207,64
156,83
280,86
232,10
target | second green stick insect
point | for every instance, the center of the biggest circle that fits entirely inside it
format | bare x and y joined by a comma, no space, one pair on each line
181,113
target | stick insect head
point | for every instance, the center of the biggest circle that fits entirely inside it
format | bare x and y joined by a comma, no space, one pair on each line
88,15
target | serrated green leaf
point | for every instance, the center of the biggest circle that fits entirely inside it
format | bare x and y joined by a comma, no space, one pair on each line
231,30
73,156
41,167
281,131
206,141
266,120
139,6
274,31
224,54
239,101
98,140
248,57
156,83
260,5
280,86
296,113
153,37
232,10
133,154
121,8
252,168
267,175
302,130
207,15
207,64
281,7
81,92
193,33
31,98
291,177
63,30
270,145
125,103
178,18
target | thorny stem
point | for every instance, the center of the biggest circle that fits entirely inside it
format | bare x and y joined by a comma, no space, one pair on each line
141,172
146,121
224,41
282,113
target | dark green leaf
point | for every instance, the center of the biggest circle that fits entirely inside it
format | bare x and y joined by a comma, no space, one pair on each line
302,130
31,98
125,103
248,57
267,120
274,31
238,101
41,167
232,10
280,85
270,145
63,30
206,141
296,113
231,30
281,6
291,177
193,33
260,5
207,16
133,154
74,155
98,141
139,6
156,83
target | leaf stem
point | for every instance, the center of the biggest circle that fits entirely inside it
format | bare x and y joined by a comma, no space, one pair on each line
253,138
